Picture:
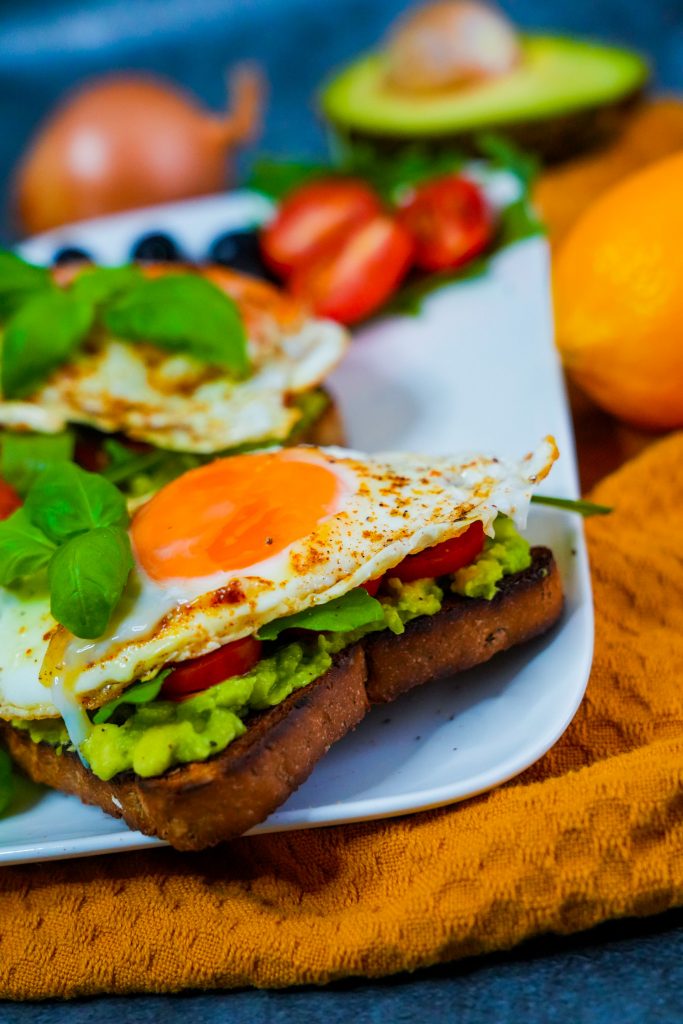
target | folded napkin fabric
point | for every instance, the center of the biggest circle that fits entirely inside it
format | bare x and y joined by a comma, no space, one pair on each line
592,831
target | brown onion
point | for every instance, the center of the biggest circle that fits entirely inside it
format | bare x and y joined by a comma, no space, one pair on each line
128,140
449,43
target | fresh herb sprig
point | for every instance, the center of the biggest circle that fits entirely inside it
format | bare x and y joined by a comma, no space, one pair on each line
72,523
46,325
584,508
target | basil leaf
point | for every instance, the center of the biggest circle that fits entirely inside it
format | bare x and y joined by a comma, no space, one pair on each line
97,285
341,615
24,550
19,281
24,456
66,500
139,693
584,508
87,576
41,336
6,782
183,313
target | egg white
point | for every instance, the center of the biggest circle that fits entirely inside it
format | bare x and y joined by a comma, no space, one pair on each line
176,402
390,506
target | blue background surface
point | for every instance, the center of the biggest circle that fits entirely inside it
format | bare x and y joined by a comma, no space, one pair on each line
624,971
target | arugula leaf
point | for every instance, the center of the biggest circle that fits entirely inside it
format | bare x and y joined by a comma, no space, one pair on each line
97,285
277,178
341,615
584,508
503,154
182,313
65,501
6,782
139,693
87,576
19,281
24,456
409,298
41,336
394,175
518,221
24,550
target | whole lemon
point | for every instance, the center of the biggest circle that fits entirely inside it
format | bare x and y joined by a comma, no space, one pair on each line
618,292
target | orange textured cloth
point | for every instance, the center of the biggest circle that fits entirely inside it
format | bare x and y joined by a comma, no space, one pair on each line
593,830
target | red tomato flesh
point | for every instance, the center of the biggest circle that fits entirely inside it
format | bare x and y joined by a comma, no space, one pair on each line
450,221
199,674
443,558
9,500
310,217
372,586
357,272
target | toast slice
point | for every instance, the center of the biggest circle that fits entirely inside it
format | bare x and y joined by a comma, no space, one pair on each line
197,805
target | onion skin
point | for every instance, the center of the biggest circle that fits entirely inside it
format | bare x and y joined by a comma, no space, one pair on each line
126,141
450,43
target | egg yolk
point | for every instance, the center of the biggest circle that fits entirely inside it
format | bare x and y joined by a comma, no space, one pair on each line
233,513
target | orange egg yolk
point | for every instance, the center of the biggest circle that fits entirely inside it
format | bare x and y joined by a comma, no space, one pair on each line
233,513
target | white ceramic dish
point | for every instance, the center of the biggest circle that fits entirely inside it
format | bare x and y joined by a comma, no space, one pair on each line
476,370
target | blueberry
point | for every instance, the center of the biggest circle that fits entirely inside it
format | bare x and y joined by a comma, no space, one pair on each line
156,247
70,254
240,251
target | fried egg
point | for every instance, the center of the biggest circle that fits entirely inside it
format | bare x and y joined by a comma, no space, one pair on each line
230,546
176,402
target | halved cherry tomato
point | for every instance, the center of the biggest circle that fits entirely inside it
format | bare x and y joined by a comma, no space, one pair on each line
357,272
200,673
309,217
450,221
9,500
372,586
443,558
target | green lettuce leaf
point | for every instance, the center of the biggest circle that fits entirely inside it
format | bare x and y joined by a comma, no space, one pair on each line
139,693
341,615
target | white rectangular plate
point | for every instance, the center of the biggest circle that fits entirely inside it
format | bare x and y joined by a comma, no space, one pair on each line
476,370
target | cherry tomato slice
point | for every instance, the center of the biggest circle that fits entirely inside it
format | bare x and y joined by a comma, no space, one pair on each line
356,273
443,558
372,586
450,220
309,217
200,673
9,500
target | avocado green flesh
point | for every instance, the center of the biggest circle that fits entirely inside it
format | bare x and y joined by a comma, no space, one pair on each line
556,76
158,735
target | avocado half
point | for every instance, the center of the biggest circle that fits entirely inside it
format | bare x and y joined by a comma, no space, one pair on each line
566,96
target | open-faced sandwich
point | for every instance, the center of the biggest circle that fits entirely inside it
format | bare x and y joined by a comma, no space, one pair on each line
187,668
159,366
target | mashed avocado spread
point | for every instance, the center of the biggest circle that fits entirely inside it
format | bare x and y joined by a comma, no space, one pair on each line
151,738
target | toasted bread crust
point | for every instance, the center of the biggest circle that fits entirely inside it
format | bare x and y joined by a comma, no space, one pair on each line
466,632
200,804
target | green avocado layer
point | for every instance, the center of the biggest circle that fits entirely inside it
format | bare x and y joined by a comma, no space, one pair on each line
160,734
556,76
